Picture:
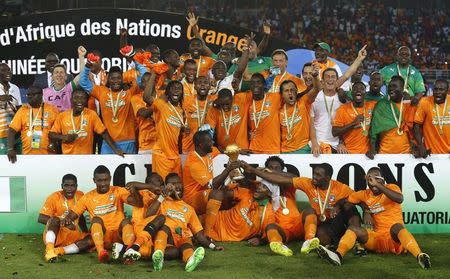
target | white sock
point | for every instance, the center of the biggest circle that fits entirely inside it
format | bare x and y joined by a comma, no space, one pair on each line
50,237
71,249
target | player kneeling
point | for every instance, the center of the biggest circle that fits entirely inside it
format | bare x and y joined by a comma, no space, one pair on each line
61,239
389,234
181,222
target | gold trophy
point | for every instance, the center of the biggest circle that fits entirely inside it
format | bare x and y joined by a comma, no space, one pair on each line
232,151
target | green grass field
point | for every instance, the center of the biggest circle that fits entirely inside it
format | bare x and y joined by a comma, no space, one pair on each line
22,257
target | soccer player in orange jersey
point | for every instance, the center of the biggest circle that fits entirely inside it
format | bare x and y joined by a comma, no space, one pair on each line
264,118
170,122
294,115
105,206
392,122
389,234
144,119
196,108
34,122
352,121
326,196
295,224
115,105
181,224
251,218
432,121
76,127
204,63
62,239
229,117
190,74
200,185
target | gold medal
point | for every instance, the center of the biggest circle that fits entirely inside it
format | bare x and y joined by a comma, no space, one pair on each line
365,133
285,211
323,218
399,132
441,132
227,137
29,133
289,137
115,119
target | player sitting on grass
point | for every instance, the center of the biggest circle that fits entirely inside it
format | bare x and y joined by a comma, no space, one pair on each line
105,206
181,223
389,234
62,238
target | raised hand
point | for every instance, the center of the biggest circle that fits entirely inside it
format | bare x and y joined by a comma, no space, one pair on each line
192,19
266,27
82,51
362,53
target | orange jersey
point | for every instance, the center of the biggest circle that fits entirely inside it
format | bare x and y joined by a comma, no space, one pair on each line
355,141
130,76
180,217
196,112
108,206
197,172
204,63
298,123
124,128
266,137
138,213
168,125
328,64
146,127
290,220
393,143
43,120
236,119
338,192
85,126
427,115
56,205
246,219
384,211
188,89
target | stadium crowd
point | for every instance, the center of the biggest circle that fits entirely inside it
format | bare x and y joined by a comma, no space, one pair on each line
202,104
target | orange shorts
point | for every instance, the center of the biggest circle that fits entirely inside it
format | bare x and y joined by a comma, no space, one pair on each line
178,240
293,228
198,201
139,228
66,236
382,242
163,166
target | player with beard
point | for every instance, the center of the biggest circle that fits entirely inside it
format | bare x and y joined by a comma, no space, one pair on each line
352,121
389,234
76,127
196,108
321,51
181,225
170,122
392,122
203,63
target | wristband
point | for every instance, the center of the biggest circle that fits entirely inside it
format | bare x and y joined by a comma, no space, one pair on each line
160,198
212,246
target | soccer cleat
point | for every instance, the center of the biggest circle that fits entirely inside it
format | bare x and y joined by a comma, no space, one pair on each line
424,260
195,259
310,245
116,250
158,260
103,256
329,255
280,249
360,250
131,255
50,256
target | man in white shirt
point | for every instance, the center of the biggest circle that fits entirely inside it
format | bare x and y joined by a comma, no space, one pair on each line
325,106
9,103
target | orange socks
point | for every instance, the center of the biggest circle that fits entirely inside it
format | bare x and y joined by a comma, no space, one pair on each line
274,236
187,253
161,241
212,210
60,251
310,226
97,236
408,242
128,234
347,242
